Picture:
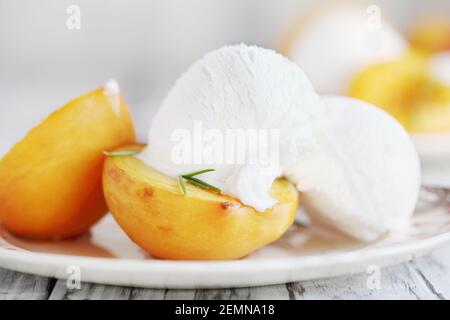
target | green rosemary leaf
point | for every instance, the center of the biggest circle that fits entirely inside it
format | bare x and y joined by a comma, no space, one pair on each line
189,177
181,185
120,153
200,183
196,173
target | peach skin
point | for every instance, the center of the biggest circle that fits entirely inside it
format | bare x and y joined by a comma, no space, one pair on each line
51,181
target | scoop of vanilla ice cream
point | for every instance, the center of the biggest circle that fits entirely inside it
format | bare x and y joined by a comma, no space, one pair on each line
364,179
233,90
336,42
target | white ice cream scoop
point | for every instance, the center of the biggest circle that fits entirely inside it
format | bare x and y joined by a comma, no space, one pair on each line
365,177
354,164
338,41
256,95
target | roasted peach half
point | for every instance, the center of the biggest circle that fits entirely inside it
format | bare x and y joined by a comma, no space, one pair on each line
392,86
432,110
198,225
51,181
404,89
431,34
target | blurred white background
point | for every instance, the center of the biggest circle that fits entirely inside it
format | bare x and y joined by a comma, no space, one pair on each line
143,44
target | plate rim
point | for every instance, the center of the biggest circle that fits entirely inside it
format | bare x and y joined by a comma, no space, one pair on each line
55,265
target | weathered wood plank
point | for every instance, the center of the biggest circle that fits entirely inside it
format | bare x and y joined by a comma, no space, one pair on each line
276,292
396,282
222,294
22,286
435,272
266,292
148,294
179,294
89,291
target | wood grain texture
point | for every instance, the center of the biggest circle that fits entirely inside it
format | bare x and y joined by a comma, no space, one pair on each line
435,272
398,282
423,278
21,286
89,291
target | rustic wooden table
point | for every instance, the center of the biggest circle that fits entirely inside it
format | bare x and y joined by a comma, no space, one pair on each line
424,278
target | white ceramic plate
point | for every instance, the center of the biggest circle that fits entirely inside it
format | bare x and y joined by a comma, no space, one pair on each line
107,256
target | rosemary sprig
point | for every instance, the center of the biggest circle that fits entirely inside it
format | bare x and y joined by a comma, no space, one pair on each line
201,184
196,173
181,185
120,153
190,177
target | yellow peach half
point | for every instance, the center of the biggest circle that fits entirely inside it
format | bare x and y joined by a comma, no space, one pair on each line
198,225
51,181
431,113
392,86
405,89
431,33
